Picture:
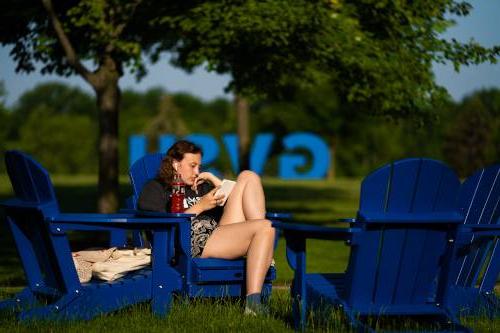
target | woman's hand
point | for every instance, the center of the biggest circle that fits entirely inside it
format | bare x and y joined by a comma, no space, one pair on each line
210,200
206,176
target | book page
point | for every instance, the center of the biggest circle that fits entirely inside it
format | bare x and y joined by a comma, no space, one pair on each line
225,188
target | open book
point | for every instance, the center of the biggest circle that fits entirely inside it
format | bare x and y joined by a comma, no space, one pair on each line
225,188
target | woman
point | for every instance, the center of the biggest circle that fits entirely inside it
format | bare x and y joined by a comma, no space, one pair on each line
237,229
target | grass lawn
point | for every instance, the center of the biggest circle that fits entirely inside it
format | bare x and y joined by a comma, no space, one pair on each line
317,202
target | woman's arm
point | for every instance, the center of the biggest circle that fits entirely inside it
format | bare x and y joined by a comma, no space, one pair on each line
207,202
207,176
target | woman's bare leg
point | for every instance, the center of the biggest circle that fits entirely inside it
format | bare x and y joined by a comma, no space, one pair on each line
247,200
255,239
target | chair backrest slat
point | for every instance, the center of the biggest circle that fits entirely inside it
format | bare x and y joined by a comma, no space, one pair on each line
492,269
480,201
410,185
41,252
396,263
143,170
480,196
30,182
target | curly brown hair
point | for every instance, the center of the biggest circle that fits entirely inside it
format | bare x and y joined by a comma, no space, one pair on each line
175,152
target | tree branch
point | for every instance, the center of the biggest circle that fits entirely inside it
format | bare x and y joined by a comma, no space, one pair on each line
66,44
130,13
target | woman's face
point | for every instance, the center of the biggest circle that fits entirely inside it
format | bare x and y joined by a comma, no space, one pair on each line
188,167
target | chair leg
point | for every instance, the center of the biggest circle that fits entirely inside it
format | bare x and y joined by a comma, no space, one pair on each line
356,323
299,307
21,300
451,322
165,279
162,301
493,305
486,304
52,311
69,306
469,302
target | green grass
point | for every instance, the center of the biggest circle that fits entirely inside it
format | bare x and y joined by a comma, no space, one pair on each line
318,202
199,315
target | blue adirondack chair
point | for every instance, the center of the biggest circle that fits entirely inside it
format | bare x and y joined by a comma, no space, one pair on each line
39,231
203,277
401,244
477,266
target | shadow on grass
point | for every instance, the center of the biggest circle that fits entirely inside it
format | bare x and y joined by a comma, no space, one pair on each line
193,315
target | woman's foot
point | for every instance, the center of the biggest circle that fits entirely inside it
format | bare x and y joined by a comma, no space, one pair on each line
254,306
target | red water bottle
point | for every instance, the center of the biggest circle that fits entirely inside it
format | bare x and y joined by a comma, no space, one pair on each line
177,199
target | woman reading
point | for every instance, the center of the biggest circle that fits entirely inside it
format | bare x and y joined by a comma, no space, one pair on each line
221,229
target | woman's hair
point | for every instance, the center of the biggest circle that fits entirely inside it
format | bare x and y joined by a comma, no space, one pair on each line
175,152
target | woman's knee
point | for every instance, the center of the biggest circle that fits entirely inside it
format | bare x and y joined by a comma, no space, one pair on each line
266,227
248,175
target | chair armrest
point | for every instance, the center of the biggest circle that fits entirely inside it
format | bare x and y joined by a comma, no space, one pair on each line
304,231
412,218
482,227
127,211
64,222
146,213
149,214
346,220
482,230
278,216
296,235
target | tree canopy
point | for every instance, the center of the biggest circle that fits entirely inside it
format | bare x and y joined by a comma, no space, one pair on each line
377,54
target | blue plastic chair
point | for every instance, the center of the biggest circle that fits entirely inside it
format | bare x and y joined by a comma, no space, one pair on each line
402,242
39,231
477,266
203,277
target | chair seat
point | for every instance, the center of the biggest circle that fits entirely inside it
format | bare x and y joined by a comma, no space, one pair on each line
222,270
330,288
204,263
139,276
201,277
93,298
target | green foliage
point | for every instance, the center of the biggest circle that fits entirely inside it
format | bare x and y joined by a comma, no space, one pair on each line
4,122
54,98
471,140
358,142
376,54
137,110
62,143
93,27
59,97
55,123
213,117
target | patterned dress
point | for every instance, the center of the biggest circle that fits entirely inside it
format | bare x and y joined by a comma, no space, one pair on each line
154,197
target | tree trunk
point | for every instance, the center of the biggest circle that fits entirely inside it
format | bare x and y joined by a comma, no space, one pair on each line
108,101
105,84
242,113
